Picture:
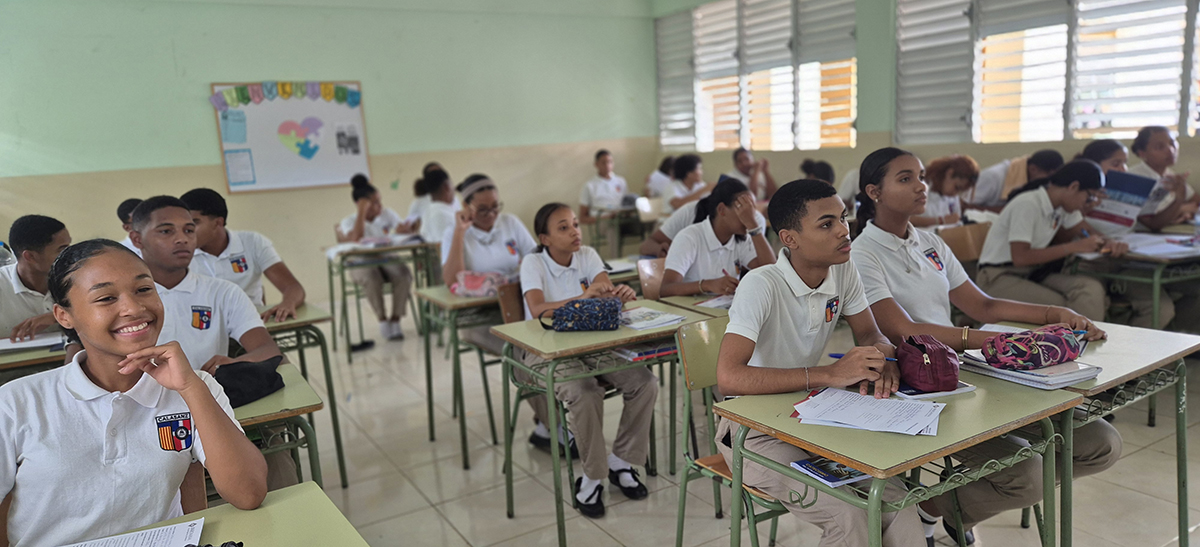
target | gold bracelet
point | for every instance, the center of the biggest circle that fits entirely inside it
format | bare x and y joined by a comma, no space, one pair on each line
700,286
807,385
966,331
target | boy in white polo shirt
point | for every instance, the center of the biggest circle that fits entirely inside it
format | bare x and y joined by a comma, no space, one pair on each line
125,212
780,320
36,240
603,192
756,175
240,257
202,313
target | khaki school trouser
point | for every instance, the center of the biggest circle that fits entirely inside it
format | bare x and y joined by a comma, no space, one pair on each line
1097,447
1178,304
584,400
372,280
842,525
1085,295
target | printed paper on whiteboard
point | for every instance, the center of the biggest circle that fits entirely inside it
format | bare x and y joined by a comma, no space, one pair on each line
239,167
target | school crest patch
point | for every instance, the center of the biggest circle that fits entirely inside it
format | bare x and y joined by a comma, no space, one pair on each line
933,257
511,245
831,308
584,283
239,264
174,431
201,317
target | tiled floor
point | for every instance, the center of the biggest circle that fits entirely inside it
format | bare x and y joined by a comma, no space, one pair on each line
407,490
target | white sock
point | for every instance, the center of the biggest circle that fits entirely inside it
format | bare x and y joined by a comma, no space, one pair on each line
385,329
928,522
586,488
541,431
616,464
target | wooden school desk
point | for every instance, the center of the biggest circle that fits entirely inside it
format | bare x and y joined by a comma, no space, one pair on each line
559,348
422,256
1150,270
286,407
298,334
295,516
443,308
31,358
995,407
607,228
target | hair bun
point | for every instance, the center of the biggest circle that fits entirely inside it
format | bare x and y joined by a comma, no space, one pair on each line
360,181
807,165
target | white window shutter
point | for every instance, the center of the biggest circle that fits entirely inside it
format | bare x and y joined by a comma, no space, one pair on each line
826,30
768,75
1020,85
1004,16
766,34
676,82
715,29
935,76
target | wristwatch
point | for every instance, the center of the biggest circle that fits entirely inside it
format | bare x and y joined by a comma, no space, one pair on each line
754,232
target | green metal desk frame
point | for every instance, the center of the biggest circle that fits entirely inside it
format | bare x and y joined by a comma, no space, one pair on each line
308,336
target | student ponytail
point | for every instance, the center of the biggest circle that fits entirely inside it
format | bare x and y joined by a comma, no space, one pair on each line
361,187
872,171
724,193
419,188
541,222
1087,173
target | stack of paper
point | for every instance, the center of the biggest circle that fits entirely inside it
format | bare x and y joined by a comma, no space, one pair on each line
913,394
646,318
641,352
721,302
174,535
43,340
841,408
832,473
618,266
1048,378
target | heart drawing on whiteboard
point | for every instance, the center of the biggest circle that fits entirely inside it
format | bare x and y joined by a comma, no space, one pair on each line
302,137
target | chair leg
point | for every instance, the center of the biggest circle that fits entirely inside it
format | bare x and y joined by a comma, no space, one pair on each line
652,458
1037,517
750,516
565,448
683,484
487,394
1025,518
774,530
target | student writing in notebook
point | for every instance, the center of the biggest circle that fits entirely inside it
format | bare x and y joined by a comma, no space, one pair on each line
36,240
995,184
911,278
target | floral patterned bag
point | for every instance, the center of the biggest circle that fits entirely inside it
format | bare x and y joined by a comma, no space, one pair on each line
1044,346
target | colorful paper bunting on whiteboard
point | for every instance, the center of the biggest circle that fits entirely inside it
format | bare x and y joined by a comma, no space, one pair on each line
339,94
314,90
270,90
218,102
256,93
298,89
285,90
231,97
243,94
353,97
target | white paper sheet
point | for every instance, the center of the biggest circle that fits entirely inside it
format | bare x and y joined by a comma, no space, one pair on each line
992,327
43,340
721,302
867,412
646,318
619,266
176,535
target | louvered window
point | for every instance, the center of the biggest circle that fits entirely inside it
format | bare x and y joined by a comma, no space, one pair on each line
676,82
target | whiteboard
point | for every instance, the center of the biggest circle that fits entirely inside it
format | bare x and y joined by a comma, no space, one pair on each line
278,135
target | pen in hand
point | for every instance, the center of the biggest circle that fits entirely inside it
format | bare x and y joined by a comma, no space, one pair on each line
840,355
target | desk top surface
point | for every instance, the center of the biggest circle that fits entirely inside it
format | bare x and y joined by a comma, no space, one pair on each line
547,344
995,407
29,357
690,303
296,398
441,297
305,315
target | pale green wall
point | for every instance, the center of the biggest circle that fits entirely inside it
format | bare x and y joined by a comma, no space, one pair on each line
96,85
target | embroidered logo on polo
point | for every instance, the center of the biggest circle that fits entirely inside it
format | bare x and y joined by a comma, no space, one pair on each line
201,317
831,308
584,283
1057,219
174,431
512,246
933,257
238,263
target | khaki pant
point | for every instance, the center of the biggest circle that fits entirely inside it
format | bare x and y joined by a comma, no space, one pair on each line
481,337
372,280
842,525
1178,304
584,399
1097,447
1085,295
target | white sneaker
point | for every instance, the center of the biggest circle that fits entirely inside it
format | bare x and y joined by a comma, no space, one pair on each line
397,333
385,330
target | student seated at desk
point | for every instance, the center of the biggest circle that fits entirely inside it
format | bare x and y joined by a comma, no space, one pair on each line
910,278
688,184
125,212
948,178
994,184
659,242
659,182
202,312
439,214
781,318
708,257
604,192
25,303
240,257
1023,254
756,175
102,445
373,220
1172,201
485,240
562,270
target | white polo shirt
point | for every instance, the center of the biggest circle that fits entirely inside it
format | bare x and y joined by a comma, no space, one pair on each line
202,313
384,224
762,182
1159,193
938,205
658,184
788,321
989,186
603,193
416,210
84,463
499,250
1029,217
243,262
685,216
557,282
18,302
697,253
438,217
128,243
678,189
918,272
849,187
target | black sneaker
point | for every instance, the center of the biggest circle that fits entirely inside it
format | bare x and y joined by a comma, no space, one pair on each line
633,492
543,444
593,508
970,535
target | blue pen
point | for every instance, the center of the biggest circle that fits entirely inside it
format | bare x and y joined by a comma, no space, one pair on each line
840,355
1080,332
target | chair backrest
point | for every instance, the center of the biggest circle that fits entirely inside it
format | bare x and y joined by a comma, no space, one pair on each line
650,274
966,241
699,345
649,209
511,306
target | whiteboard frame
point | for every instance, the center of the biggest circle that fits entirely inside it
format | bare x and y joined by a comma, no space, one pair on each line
212,88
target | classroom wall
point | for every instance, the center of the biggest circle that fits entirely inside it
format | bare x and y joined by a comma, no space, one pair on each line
107,99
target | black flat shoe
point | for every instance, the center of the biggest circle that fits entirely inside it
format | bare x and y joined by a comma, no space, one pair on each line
543,444
634,492
594,507
970,535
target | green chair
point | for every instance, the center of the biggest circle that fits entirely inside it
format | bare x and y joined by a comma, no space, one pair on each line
698,345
